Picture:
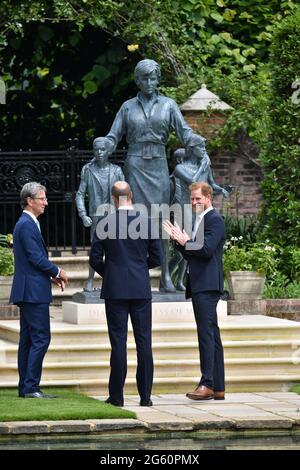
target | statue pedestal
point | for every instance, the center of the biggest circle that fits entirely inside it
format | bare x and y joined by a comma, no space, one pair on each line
166,308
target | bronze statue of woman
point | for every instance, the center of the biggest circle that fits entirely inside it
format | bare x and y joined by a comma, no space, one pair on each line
146,120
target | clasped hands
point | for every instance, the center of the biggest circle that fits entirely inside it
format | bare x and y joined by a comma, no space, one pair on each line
175,232
62,280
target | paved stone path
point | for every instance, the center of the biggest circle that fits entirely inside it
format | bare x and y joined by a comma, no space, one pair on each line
255,411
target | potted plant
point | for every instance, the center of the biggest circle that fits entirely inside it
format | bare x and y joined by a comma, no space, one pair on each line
6,266
246,267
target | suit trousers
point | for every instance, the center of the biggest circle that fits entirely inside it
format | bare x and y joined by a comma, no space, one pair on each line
209,339
33,344
117,312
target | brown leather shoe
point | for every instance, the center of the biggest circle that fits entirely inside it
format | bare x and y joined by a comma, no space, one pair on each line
219,395
201,393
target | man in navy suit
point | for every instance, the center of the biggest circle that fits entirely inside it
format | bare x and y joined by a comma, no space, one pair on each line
124,237
31,290
204,286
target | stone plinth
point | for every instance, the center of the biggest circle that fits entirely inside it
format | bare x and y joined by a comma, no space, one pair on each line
162,312
246,307
9,312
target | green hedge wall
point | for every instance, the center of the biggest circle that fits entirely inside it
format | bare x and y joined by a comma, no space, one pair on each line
281,153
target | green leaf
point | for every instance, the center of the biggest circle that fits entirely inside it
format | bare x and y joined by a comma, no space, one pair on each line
217,17
246,15
90,87
42,72
226,36
228,14
100,73
249,68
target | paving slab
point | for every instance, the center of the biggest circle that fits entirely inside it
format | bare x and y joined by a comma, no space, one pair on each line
115,424
262,422
199,417
27,427
159,420
75,425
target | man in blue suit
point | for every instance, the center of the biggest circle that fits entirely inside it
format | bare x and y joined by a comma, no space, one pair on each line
204,286
124,237
31,290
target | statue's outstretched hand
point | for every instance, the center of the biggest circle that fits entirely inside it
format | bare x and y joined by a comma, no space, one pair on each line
86,220
225,193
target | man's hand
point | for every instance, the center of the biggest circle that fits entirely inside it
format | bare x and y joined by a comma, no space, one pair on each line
175,233
63,276
59,282
86,220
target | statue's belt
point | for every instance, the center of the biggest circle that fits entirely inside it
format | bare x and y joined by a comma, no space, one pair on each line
147,150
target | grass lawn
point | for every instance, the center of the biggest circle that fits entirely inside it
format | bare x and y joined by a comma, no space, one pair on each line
296,388
69,405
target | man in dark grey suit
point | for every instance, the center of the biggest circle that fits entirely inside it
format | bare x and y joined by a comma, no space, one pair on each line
204,286
126,289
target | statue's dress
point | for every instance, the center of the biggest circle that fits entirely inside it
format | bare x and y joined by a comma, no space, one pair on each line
146,168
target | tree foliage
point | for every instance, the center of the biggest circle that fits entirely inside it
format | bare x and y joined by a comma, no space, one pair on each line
281,152
223,43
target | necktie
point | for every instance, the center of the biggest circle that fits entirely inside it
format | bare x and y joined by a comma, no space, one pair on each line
38,225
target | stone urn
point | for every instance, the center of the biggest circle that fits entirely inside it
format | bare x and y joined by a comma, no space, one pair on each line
245,285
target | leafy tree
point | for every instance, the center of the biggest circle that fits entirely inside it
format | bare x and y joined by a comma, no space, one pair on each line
281,152
224,43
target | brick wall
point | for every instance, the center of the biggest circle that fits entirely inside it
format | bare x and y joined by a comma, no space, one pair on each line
230,168
244,176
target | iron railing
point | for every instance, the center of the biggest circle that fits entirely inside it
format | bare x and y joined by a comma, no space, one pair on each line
60,172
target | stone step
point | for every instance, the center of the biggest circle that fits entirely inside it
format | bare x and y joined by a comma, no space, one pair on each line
63,333
255,383
163,369
177,350
79,354
77,271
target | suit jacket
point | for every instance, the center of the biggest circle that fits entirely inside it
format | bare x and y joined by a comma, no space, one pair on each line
33,269
125,271
205,264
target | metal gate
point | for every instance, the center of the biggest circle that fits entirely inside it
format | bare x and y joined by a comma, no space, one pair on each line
60,172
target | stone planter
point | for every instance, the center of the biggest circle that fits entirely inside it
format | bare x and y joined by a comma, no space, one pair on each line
245,285
5,288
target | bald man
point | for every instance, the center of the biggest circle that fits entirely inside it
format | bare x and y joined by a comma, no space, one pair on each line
124,238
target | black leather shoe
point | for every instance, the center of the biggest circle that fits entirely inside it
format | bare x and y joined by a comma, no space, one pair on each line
114,402
38,395
146,402
21,395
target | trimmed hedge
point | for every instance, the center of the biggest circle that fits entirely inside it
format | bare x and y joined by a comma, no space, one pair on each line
280,156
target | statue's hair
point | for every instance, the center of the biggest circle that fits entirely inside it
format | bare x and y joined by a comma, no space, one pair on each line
179,154
148,66
108,142
30,190
195,140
